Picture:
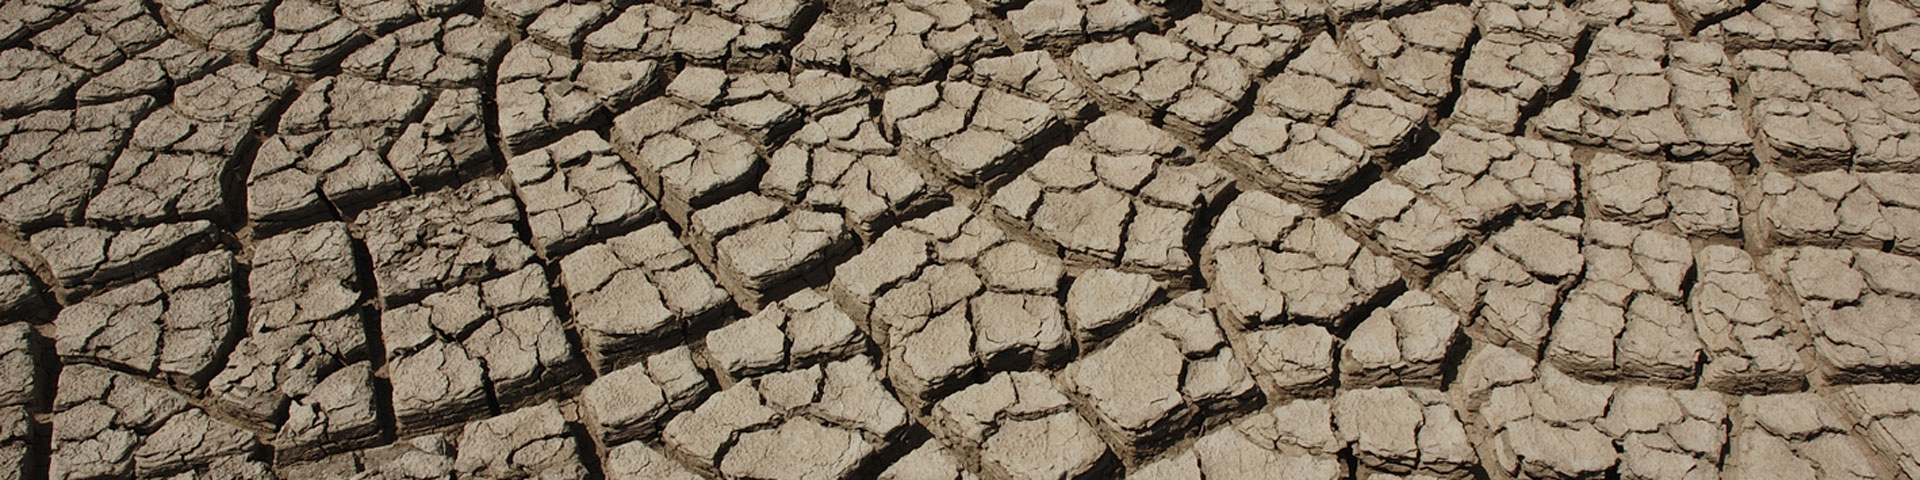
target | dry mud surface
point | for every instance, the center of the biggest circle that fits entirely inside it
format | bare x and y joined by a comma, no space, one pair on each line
960,239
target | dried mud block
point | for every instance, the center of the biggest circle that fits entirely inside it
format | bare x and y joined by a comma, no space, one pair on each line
1258,46
110,424
1797,435
177,163
638,293
329,149
1295,437
544,95
1749,340
637,461
1547,428
55,156
761,250
27,18
304,325
530,442
1859,306
1627,318
1404,431
449,52
950,295
1638,16
1830,26
1273,263
799,331
1698,198
1290,361
768,107
305,348
1407,343
1511,286
1152,385
1553,426
35,81
443,239
1326,86
169,324
1195,93
1302,162
445,146
1888,24
740,35
841,162
1042,24
1483,177
456,352
1409,226
634,402
1819,110
1309,13
825,421
1865,210
1123,194
931,461
384,16
516,14
225,25
426,456
308,37
1414,54
685,158
1538,19
965,133
21,294
1667,433
1018,426
19,347
1642,94
99,35
577,191
338,414
565,26
160,68
1103,302
347,143
83,258
647,32
1484,368
766,29
1509,76
899,43
1037,74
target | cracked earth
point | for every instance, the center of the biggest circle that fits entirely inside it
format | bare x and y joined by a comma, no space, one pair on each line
960,239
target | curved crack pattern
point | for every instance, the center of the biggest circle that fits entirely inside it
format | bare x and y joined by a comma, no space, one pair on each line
945,239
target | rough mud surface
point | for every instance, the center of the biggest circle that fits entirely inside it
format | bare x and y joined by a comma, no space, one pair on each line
960,239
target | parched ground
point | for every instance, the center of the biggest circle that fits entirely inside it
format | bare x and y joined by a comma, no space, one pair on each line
959,239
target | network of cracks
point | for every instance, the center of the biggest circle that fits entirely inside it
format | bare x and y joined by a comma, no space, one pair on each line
960,239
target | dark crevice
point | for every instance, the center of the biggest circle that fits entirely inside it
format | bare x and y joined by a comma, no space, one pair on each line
1444,108
235,179
1541,101
1204,221
1695,25
39,423
236,329
369,312
583,444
